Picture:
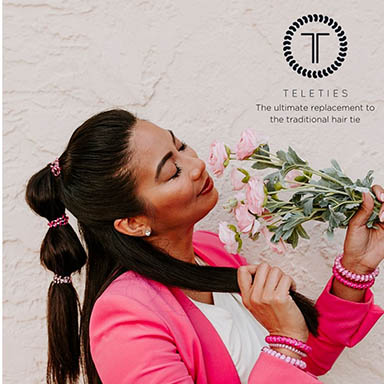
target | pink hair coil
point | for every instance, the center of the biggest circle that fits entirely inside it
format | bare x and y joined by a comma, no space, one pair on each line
351,284
354,276
62,220
279,345
62,279
289,341
291,360
55,167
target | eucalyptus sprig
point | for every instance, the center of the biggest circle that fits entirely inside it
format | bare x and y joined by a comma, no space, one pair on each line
325,195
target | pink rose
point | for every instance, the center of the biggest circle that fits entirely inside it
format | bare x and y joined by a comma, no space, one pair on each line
290,176
255,195
279,247
227,237
217,156
240,195
245,221
236,177
248,143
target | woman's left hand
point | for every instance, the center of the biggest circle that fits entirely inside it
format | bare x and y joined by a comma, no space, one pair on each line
364,247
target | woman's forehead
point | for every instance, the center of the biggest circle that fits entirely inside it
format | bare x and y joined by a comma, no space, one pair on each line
148,136
151,143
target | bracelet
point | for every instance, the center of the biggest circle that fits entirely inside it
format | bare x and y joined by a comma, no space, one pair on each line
303,354
289,341
291,360
354,276
349,283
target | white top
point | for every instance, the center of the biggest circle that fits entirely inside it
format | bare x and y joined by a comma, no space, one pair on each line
241,333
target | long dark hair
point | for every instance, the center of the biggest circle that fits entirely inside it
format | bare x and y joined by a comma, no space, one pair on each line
97,184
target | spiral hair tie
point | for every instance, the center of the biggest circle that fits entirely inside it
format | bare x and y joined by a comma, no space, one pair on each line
354,276
289,341
55,167
62,220
62,279
291,360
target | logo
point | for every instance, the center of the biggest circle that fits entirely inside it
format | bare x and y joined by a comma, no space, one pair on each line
315,40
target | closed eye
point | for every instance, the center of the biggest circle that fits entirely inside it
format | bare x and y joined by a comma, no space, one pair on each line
178,169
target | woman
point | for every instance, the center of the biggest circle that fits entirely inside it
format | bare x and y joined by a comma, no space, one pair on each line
137,191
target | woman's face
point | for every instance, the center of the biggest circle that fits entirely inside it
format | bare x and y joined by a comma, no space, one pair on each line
170,176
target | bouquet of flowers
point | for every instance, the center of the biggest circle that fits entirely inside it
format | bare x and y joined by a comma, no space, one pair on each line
326,195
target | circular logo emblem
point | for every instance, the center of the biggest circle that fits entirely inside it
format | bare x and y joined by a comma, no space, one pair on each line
324,26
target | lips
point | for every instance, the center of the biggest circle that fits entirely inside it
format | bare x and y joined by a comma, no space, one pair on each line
205,184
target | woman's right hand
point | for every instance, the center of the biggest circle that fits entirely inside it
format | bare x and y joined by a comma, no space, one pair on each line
269,301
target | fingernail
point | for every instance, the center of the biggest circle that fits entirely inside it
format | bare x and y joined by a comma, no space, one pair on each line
382,216
382,196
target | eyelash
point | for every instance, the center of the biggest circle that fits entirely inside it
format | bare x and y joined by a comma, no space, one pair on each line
178,169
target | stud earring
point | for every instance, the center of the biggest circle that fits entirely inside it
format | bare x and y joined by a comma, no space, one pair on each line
147,232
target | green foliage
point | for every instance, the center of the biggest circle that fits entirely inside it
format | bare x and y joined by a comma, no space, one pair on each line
332,197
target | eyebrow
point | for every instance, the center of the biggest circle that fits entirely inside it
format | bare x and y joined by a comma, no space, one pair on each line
165,158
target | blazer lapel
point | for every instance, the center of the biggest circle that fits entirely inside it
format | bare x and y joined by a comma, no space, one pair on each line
219,364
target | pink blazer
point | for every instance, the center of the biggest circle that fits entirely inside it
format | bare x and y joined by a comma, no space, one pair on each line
143,332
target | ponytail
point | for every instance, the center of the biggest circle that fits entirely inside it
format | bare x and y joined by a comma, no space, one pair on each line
62,253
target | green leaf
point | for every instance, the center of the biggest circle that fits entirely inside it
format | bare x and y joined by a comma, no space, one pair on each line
288,233
293,239
336,165
244,171
240,243
335,218
258,165
367,181
293,158
301,231
281,155
228,150
308,206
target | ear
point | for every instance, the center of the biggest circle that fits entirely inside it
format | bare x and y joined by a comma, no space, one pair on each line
132,226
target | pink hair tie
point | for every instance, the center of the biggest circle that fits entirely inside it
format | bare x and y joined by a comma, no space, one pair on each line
291,360
279,345
62,220
62,279
55,167
289,341
353,276
351,284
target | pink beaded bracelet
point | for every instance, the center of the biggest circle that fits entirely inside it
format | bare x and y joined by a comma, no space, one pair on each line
354,276
289,341
291,360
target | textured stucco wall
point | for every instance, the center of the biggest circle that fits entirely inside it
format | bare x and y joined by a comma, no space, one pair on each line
196,67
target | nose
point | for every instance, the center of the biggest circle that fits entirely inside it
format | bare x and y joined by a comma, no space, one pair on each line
198,168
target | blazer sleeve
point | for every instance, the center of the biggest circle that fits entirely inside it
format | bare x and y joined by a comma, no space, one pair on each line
131,344
342,323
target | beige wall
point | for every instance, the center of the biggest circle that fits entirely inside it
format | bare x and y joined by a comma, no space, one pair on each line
196,67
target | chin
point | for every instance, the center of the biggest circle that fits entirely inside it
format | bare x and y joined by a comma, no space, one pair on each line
211,200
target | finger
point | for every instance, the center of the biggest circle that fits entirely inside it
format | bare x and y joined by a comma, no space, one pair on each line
273,278
362,215
259,282
285,284
244,277
379,192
